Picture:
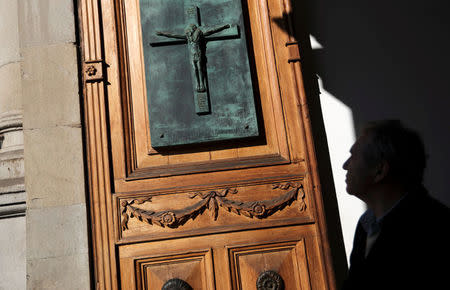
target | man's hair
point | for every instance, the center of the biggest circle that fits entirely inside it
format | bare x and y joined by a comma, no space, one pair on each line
401,147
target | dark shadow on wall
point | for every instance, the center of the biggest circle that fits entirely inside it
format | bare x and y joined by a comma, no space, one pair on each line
384,60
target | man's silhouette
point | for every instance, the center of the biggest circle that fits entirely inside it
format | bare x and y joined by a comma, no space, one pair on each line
402,240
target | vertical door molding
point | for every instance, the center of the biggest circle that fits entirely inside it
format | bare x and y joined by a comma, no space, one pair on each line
93,76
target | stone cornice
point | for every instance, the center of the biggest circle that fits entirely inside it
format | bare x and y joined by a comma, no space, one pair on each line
11,121
12,198
12,183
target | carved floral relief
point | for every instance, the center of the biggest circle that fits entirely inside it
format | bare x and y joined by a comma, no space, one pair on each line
213,201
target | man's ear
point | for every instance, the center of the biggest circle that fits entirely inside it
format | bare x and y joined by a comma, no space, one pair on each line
382,171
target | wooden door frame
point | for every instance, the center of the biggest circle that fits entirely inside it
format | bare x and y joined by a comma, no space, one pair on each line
97,18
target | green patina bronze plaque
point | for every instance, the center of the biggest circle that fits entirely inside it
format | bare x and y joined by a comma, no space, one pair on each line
199,86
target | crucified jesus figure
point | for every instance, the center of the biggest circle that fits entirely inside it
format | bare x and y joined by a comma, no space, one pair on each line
196,39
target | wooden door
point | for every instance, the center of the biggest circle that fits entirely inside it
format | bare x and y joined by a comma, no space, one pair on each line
241,214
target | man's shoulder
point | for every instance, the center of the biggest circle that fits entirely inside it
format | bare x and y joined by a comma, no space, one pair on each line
423,203
418,217
434,208
428,221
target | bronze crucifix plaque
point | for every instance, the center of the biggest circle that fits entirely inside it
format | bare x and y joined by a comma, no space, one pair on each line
198,77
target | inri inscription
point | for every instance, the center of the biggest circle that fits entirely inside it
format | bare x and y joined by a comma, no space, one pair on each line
199,85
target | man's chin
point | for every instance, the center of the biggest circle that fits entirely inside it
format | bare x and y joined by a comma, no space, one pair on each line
351,192
357,195
348,190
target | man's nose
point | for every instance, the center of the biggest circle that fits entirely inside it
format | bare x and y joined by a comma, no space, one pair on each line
344,166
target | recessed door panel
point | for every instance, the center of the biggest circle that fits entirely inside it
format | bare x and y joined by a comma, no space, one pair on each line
193,270
270,266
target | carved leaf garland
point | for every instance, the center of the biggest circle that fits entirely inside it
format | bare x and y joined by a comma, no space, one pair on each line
125,204
212,200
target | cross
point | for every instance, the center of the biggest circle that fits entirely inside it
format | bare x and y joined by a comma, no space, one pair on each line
196,36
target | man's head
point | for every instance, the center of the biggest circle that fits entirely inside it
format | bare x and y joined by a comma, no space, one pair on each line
385,153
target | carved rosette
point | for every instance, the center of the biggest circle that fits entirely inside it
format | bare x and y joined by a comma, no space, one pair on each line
93,70
168,218
269,280
259,209
212,201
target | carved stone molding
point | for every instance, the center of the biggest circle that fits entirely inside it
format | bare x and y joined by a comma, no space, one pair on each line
12,170
12,204
11,126
11,120
212,200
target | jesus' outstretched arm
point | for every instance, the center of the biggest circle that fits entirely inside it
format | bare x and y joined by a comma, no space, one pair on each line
171,35
215,29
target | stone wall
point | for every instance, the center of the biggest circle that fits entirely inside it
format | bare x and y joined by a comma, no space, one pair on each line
41,150
57,232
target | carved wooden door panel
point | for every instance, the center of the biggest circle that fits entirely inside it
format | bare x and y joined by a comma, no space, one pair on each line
230,213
